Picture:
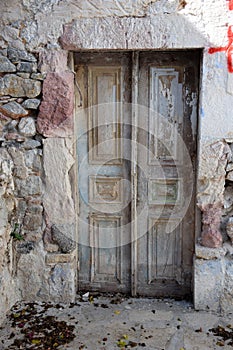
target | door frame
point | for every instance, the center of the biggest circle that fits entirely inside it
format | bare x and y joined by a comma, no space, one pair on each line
135,71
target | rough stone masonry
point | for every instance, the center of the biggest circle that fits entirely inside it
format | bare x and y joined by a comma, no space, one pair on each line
37,158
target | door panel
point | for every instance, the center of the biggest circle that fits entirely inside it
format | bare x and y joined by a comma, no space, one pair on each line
105,263
164,88
104,170
104,86
163,252
168,85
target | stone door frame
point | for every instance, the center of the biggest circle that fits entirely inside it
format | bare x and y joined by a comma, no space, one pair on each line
78,96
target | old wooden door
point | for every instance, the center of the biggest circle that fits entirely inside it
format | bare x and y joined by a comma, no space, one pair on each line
136,146
168,85
104,172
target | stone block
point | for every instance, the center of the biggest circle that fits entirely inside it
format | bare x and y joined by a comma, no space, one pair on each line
52,61
211,217
58,258
229,167
21,209
31,144
211,237
27,67
51,247
6,66
23,75
228,198
11,35
27,126
38,76
4,122
3,52
209,253
229,249
56,109
17,156
15,86
208,283
33,160
33,218
39,7
65,243
212,172
33,236
6,170
32,186
231,148
226,300
25,247
11,138
3,217
13,110
72,36
62,283
229,228
230,176
21,172
8,292
3,98
31,103
32,274
16,55
57,197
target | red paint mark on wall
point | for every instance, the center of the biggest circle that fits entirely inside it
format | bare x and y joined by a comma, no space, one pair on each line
230,4
228,49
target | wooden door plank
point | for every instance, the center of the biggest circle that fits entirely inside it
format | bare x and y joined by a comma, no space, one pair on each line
168,88
103,172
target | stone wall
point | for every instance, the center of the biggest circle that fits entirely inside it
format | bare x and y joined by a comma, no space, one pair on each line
214,253
37,157
37,235
21,167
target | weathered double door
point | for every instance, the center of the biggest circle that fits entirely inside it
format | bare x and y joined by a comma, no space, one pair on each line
136,144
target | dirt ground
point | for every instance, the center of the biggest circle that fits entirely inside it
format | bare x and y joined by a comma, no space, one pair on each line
115,322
